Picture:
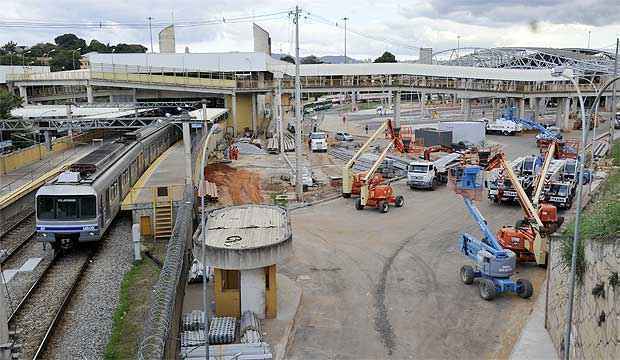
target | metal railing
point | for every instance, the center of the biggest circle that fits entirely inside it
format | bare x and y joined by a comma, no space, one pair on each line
161,325
144,194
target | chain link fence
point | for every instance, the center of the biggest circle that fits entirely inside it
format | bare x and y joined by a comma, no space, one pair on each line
162,323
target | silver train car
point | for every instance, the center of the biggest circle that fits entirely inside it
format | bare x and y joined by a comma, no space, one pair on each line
80,204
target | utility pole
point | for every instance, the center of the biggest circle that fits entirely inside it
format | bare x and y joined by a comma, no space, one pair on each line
151,33
298,114
345,38
279,116
458,49
589,33
613,97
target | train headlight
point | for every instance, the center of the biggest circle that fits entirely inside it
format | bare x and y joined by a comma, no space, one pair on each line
44,234
91,233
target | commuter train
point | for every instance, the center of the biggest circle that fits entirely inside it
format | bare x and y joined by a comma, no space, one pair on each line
80,204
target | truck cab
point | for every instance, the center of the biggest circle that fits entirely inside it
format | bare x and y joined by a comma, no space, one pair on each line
503,126
318,142
421,174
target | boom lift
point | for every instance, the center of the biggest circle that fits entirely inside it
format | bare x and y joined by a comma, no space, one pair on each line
351,182
375,194
548,213
529,238
493,265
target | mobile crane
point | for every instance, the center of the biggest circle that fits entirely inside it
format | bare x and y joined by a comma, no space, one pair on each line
493,265
529,238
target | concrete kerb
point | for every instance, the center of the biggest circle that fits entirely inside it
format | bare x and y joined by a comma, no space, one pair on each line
284,345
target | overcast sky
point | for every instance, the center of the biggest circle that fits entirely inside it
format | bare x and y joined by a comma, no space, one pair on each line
397,26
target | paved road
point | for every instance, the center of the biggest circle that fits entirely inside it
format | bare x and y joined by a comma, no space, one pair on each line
386,285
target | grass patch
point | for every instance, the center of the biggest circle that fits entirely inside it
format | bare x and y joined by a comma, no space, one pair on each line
128,319
599,222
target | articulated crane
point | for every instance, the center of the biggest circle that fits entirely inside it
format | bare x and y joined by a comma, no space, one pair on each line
529,241
493,265
351,182
548,213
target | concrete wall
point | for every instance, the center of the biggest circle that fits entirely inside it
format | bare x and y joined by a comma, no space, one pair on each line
253,291
596,323
167,40
27,156
244,113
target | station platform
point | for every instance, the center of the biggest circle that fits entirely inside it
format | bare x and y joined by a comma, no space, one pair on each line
163,181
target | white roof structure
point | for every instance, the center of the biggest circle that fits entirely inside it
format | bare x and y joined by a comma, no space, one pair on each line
207,62
212,114
466,72
53,111
17,69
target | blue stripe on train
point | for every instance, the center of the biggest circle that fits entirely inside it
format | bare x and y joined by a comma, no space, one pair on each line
67,228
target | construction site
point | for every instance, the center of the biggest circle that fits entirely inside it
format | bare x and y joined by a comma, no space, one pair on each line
237,206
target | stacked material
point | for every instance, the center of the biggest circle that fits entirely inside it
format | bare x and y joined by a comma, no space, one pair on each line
600,149
273,144
193,333
193,321
257,351
249,149
250,328
222,330
392,166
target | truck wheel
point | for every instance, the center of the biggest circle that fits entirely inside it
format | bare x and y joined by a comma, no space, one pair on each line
433,184
384,206
346,195
487,289
467,274
505,133
524,288
400,201
358,204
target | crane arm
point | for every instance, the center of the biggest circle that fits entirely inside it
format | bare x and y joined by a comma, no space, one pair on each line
489,237
373,169
540,181
536,126
347,170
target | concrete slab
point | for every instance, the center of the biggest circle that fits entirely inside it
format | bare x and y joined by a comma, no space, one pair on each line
30,264
279,331
535,342
7,275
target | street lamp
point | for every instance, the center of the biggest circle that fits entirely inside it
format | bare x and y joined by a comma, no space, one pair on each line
345,38
24,59
560,72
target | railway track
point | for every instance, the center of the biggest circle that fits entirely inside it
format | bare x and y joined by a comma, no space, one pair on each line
39,311
18,236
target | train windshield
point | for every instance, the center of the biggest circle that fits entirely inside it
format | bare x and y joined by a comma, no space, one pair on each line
66,207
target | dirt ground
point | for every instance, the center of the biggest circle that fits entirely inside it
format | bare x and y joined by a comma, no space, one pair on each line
235,186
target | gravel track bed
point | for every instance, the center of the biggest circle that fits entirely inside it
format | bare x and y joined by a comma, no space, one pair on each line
13,238
37,313
85,327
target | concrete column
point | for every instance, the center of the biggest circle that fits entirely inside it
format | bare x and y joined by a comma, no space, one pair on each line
566,113
466,105
24,95
397,110
521,103
390,95
254,114
89,94
133,95
187,147
353,101
234,113
48,139
422,105
69,120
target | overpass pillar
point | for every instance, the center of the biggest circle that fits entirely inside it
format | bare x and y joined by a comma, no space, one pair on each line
134,98
466,108
353,101
254,114
234,112
422,104
562,114
521,108
89,94
23,94
397,111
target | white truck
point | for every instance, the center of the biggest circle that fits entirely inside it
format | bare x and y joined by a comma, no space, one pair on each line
503,126
318,142
428,174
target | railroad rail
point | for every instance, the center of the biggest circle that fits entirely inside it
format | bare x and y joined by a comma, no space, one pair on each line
39,311
18,235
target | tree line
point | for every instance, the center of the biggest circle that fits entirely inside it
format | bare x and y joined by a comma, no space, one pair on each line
386,57
63,54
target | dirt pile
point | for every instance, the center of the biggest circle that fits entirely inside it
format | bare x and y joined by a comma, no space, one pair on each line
235,186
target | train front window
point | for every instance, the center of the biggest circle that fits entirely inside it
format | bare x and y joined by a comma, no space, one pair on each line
45,207
88,207
66,208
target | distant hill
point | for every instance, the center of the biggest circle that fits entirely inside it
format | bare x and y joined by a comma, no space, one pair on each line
328,59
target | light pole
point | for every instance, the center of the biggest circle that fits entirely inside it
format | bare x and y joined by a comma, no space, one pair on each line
298,145
589,33
151,33
24,60
458,49
345,38
569,312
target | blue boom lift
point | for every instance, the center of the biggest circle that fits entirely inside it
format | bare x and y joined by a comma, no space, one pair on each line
493,265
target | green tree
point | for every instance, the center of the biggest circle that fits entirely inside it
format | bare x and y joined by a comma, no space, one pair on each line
70,42
8,102
311,60
8,48
99,47
129,48
387,57
288,58
41,49
64,60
